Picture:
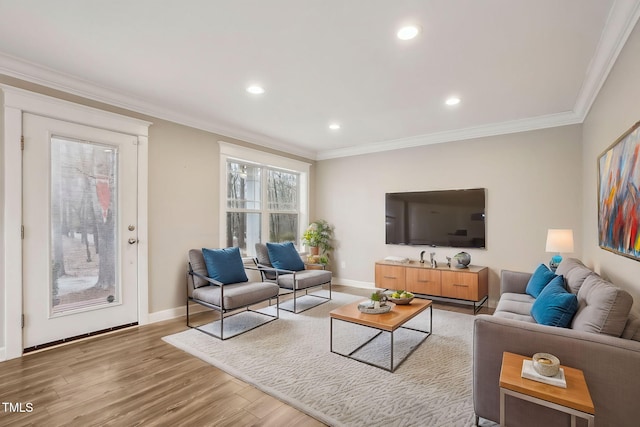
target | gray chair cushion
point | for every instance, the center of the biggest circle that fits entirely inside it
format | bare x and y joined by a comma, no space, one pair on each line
304,279
574,273
237,295
198,265
262,254
602,307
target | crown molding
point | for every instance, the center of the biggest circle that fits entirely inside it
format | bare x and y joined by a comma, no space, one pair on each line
622,20
623,16
34,73
514,126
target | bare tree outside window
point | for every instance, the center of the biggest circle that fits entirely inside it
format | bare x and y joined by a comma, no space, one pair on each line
248,185
83,224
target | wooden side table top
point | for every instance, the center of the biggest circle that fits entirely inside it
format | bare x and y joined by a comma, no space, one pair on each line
390,321
575,396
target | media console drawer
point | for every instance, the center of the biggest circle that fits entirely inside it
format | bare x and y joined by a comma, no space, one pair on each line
469,284
390,276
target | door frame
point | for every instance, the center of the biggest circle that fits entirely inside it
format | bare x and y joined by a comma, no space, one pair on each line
15,103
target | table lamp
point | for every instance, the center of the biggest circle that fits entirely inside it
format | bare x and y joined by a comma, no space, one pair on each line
558,240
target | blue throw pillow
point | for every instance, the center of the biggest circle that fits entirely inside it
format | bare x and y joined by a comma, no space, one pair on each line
225,265
555,306
285,256
539,279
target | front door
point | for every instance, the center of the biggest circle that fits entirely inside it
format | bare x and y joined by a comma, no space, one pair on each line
80,240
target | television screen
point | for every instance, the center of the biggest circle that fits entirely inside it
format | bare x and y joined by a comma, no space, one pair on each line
452,218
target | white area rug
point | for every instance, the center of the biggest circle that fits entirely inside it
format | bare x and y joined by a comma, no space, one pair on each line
290,360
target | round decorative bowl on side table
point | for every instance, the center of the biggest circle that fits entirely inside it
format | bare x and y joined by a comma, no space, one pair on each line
546,364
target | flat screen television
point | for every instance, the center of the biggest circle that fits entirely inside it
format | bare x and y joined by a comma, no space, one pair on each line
451,218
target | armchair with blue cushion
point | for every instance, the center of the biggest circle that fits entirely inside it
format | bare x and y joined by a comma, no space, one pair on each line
219,282
281,263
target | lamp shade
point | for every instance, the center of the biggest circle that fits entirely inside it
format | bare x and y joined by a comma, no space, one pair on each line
559,240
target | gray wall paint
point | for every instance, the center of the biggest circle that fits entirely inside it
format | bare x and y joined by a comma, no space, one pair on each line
533,181
616,109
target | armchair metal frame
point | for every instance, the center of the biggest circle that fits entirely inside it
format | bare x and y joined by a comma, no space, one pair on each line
221,309
278,272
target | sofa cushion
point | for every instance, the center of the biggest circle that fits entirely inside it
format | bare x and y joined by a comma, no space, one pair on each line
515,303
602,307
574,273
538,280
225,265
285,256
555,306
632,329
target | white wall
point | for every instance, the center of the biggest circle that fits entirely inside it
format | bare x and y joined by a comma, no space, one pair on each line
615,110
533,181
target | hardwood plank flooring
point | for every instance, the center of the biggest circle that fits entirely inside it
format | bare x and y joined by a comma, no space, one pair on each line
131,377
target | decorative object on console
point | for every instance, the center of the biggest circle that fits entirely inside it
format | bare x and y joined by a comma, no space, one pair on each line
398,259
558,240
463,258
618,181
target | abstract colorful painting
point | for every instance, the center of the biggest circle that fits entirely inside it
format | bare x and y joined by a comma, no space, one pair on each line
618,195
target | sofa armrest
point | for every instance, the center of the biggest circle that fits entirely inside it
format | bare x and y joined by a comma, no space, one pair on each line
513,281
609,365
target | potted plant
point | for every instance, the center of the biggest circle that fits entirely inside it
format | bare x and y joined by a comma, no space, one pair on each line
318,237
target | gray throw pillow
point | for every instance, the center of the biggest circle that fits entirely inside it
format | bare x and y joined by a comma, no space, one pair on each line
602,307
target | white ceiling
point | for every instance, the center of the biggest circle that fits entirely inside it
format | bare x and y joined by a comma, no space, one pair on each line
516,64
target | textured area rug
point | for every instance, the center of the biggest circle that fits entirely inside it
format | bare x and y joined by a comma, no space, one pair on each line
290,360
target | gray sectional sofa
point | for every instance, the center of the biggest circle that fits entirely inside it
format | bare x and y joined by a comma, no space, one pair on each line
603,340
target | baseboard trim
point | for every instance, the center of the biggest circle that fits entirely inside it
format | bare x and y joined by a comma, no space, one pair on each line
354,283
173,313
3,354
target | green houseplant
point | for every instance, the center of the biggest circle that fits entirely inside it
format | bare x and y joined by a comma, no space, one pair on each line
318,235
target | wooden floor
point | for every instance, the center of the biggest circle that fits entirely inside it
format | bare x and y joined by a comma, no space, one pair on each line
132,377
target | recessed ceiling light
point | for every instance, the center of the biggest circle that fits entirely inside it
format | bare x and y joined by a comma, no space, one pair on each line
256,90
454,100
408,32
334,126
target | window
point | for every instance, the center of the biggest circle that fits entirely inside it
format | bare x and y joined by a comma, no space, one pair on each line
265,198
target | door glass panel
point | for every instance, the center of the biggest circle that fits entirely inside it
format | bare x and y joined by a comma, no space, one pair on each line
84,254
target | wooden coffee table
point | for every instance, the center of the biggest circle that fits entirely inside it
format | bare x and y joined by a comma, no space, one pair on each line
574,400
387,322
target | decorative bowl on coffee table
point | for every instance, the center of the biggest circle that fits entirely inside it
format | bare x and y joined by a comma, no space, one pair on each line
400,301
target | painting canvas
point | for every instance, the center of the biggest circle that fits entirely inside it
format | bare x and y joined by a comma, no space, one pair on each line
618,195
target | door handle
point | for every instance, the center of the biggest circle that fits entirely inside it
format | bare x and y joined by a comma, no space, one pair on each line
132,240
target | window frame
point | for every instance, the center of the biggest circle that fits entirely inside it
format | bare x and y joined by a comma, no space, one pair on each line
233,152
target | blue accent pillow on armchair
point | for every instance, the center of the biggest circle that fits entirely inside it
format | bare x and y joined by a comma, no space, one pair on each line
539,279
555,306
225,265
285,256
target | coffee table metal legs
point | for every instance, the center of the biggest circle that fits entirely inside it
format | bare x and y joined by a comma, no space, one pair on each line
391,367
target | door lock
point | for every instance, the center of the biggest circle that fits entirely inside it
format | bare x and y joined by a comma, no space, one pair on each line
132,240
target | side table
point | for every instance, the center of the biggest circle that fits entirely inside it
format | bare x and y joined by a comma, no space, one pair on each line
574,400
